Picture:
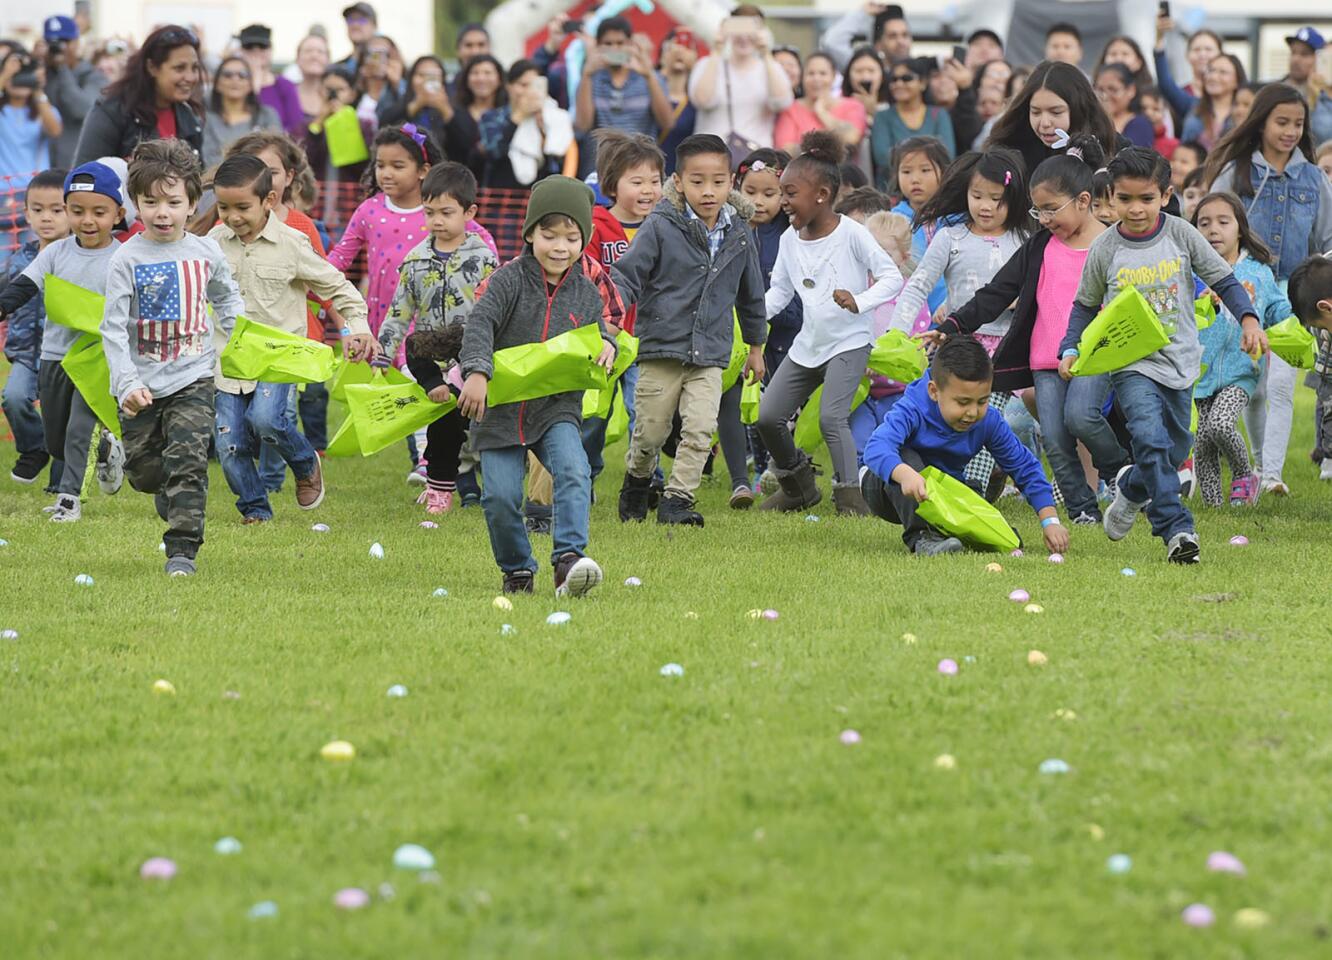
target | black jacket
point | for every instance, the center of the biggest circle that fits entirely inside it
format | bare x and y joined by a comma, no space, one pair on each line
1016,279
110,131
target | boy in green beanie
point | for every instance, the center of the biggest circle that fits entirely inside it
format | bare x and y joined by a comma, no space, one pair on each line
549,290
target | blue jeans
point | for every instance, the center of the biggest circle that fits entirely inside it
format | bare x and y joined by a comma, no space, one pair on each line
272,466
1158,422
245,424
1071,411
865,419
20,406
560,451
313,404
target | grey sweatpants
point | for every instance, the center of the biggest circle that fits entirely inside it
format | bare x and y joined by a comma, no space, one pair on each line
68,423
731,432
791,386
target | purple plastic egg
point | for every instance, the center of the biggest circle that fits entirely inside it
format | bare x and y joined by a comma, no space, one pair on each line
1198,915
849,737
770,614
351,898
1223,862
1016,553
158,868
1019,596
1239,541
1056,558
948,667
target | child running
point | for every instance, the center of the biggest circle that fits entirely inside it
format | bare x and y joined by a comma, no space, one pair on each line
437,289
1159,255
1043,277
158,337
693,261
94,204
943,420
840,274
273,265
540,295
1230,376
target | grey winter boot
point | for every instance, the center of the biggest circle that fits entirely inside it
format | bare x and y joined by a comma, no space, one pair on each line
849,501
799,490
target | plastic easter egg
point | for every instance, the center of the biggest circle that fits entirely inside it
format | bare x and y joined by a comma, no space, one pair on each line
1063,713
1119,863
1222,862
948,667
770,614
262,910
559,618
158,868
83,580
945,761
411,856
1019,596
1198,915
632,582
1033,608
230,695
812,518
508,630
968,659
164,688
351,898
993,568
1129,572
1054,766
227,846
672,670
1016,554
1096,832
428,525
502,603
1037,659
1056,558
9,635
849,737
1251,918
376,551
439,592
909,638
690,615
1239,541
338,751
754,614
397,691
320,528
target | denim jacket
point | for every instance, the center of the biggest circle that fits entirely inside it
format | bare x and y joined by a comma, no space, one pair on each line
23,344
1291,211
1226,364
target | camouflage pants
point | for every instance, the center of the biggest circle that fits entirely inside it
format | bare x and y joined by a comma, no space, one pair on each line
166,454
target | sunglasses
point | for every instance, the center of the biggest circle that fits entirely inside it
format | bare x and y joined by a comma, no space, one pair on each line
233,75
178,36
902,77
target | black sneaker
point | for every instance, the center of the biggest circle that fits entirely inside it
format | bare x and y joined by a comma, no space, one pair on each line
1184,548
678,511
29,465
635,498
538,525
575,575
520,581
934,545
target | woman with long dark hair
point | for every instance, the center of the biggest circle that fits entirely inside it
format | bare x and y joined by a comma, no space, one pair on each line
158,96
908,116
1057,102
478,88
233,110
1118,90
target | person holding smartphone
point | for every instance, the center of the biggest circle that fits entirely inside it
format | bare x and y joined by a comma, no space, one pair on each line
740,90
619,88
28,122
526,139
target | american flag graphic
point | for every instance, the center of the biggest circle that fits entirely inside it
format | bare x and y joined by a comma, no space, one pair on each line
173,308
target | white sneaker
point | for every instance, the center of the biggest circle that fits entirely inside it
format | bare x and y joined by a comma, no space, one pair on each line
575,576
1276,487
418,476
111,471
1325,472
1121,513
67,509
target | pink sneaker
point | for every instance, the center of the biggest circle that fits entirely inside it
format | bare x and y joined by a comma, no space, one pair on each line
436,501
1244,491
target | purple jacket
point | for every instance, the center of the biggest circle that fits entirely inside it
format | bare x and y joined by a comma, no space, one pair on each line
283,97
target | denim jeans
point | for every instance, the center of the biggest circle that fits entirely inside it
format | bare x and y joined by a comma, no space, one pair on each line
313,404
272,465
1071,411
245,424
560,450
865,419
1158,422
20,406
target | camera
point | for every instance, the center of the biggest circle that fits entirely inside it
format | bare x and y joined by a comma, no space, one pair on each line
617,58
56,48
27,74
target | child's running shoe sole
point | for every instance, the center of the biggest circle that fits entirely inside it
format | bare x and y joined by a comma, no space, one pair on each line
581,578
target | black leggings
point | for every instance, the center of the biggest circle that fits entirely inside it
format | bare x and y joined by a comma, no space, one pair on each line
444,442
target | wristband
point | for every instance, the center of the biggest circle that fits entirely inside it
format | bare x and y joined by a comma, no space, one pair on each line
1070,352
1050,522
346,331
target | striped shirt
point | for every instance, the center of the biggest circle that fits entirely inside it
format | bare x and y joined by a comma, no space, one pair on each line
627,108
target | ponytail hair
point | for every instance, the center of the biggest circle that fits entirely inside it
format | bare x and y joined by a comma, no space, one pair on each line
1072,173
820,159
418,143
997,165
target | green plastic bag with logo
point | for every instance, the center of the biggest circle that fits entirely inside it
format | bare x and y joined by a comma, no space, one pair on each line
72,306
85,364
346,142
1290,341
256,351
750,396
380,413
807,435
597,403
1204,312
345,372
563,364
897,357
955,509
1125,331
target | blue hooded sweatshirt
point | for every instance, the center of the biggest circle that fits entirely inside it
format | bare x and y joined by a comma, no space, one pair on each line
915,422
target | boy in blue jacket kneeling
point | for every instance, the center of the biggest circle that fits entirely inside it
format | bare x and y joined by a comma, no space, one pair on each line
942,421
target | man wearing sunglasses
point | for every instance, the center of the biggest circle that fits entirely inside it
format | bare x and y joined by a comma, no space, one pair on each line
362,23
256,43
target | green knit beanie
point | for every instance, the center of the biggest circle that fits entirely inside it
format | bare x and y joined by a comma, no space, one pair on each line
565,195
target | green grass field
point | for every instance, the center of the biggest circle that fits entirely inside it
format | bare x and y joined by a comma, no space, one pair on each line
580,804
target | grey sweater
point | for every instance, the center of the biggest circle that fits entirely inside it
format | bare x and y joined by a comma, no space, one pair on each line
157,332
1161,265
69,261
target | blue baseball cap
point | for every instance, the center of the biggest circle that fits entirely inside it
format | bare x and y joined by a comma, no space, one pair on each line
60,28
1308,36
94,177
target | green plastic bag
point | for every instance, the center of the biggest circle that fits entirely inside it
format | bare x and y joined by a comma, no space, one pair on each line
618,424
1125,331
597,403
750,396
72,306
898,357
1204,312
345,373
955,509
256,351
85,364
346,142
563,364
1290,341
380,413
807,435
739,352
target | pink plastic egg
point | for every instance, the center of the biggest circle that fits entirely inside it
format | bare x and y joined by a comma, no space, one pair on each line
351,898
948,667
158,868
1019,596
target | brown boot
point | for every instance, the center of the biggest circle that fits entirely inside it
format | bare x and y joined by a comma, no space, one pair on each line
310,491
799,490
850,502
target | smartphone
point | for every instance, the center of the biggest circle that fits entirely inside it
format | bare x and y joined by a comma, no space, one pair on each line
684,38
541,86
960,53
573,26
617,58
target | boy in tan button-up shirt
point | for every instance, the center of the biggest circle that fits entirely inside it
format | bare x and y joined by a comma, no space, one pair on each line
274,266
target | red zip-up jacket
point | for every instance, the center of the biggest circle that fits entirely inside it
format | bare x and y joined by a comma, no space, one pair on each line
608,244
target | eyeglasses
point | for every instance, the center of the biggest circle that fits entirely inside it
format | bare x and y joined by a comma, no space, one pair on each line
1044,216
902,77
